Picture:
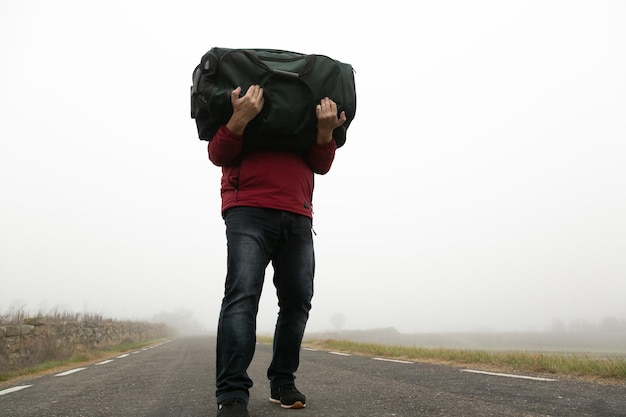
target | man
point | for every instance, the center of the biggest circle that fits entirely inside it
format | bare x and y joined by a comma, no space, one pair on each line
268,211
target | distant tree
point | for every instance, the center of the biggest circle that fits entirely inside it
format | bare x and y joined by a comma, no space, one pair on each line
557,326
612,324
182,321
338,320
582,326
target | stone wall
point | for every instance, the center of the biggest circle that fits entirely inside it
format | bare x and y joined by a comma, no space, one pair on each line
35,342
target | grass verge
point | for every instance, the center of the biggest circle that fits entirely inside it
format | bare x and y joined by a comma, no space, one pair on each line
76,360
563,365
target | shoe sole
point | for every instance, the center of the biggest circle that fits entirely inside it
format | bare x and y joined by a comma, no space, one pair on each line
297,404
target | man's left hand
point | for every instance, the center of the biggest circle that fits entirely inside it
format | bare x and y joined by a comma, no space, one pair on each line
327,120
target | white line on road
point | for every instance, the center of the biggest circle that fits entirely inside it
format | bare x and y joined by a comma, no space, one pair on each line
18,388
21,387
340,353
391,360
71,371
534,378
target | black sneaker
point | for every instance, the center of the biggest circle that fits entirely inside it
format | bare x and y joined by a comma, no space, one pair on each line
233,407
288,396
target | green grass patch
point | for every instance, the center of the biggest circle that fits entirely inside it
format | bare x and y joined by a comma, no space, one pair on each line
555,364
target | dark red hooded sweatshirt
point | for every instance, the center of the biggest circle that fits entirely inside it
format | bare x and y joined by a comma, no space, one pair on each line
279,180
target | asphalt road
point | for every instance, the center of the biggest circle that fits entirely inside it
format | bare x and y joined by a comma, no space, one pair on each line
176,379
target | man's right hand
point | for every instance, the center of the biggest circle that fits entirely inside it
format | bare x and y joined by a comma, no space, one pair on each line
245,108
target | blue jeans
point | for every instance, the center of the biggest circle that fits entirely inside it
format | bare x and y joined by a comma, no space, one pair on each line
256,236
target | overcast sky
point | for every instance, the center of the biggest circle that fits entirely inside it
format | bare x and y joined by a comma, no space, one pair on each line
481,187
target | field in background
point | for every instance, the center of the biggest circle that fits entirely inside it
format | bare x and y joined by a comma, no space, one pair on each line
595,355
592,341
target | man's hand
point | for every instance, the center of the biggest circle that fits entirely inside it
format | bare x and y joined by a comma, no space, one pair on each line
327,120
245,108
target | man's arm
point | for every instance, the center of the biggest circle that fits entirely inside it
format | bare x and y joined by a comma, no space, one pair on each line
327,120
227,143
322,153
245,108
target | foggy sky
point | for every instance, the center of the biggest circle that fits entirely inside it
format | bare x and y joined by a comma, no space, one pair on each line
481,186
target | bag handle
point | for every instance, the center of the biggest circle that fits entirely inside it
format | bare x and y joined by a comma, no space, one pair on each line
286,74
309,62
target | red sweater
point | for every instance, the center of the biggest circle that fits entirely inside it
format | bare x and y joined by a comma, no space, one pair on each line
269,179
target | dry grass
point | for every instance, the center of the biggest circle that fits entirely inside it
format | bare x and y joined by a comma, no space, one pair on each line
22,316
575,365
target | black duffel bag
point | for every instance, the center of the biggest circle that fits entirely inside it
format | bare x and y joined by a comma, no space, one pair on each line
293,84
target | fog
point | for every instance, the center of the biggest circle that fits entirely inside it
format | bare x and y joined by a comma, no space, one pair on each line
481,187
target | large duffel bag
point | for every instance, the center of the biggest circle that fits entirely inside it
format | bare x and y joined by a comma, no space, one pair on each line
293,84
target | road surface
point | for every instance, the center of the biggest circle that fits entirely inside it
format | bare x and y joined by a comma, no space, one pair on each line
177,379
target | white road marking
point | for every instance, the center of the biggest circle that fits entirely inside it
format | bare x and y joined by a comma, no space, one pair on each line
391,360
340,353
534,378
14,389
71,371
311,349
